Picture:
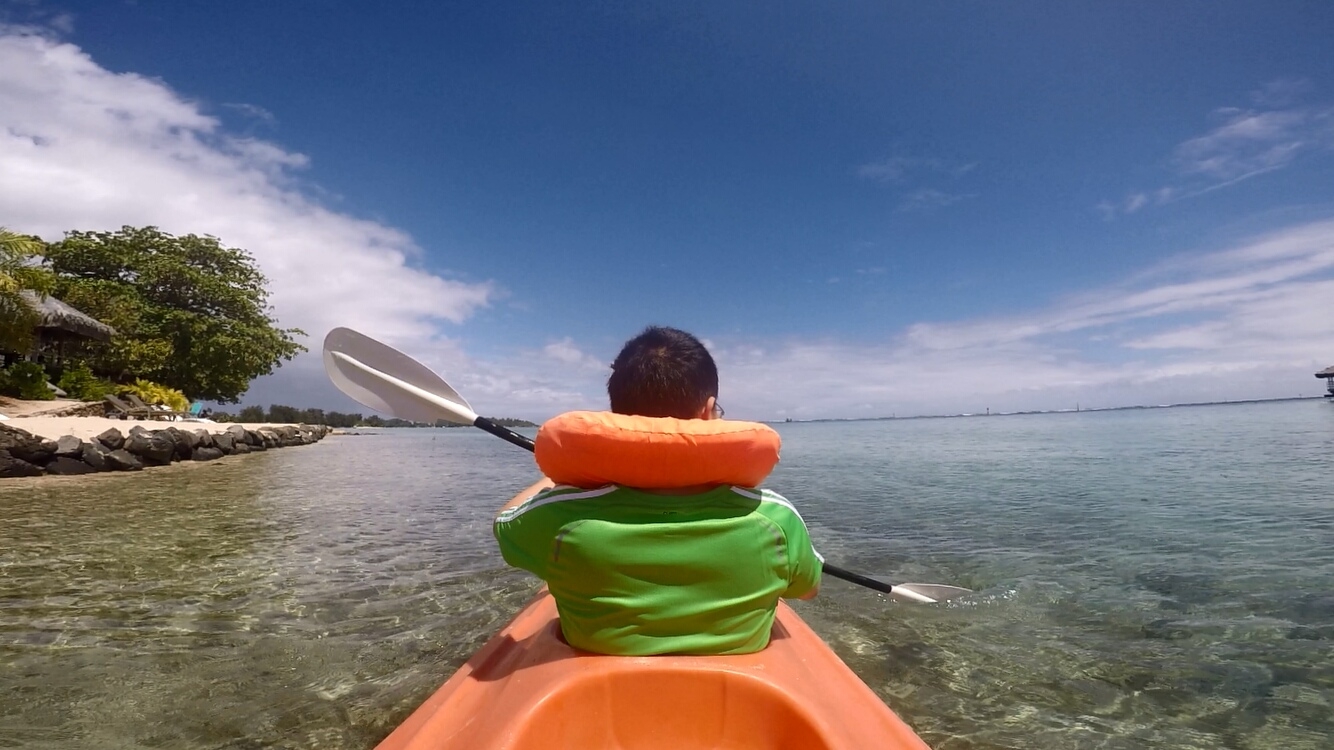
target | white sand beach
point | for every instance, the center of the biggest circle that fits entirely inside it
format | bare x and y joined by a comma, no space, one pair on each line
87,428
36,417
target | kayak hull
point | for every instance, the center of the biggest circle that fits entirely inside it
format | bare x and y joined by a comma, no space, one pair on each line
527,689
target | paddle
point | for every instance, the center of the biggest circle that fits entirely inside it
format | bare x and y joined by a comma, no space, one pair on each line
387,380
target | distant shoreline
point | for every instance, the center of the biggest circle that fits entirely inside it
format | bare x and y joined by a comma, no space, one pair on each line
1052,411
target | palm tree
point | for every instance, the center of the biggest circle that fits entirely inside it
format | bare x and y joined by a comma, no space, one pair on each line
20,269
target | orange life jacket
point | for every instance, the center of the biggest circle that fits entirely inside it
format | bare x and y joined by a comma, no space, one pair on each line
597,448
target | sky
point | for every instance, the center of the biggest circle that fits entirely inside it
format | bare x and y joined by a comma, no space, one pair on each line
865,209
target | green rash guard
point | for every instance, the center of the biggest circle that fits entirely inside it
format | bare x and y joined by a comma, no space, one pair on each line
635,573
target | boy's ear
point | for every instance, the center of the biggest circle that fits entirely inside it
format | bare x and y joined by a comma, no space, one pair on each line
707,411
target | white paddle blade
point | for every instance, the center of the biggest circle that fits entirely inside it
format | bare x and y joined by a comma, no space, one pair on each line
927,593
389,381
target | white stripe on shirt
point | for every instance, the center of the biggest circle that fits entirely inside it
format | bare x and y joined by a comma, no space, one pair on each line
769,496
555,496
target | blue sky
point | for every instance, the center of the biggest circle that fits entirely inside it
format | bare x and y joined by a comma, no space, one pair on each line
865,208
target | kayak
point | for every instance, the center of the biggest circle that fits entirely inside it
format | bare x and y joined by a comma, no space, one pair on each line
527,689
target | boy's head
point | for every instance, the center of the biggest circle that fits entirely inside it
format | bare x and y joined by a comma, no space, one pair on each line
664,372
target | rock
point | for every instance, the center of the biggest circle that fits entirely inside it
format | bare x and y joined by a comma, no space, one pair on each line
223,441
205,438
69,447
45,450
95,455
88,409
14,436
66,466
152,448
184,440
123,460
17,467
237,432
207,454
269,438
25,446
240,448
112,439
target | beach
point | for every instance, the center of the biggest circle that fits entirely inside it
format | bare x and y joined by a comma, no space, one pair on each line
62,439
87,428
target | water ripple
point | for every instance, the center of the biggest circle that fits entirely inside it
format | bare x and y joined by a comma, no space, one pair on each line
1154,579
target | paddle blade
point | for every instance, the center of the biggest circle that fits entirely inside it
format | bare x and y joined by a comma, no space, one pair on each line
926,592
389,381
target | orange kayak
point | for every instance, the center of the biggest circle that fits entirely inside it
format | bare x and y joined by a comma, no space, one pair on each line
526,689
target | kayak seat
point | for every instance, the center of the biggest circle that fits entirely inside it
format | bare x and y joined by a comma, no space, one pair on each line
527,689
646,707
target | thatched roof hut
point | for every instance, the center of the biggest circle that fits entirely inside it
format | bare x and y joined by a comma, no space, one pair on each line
54,315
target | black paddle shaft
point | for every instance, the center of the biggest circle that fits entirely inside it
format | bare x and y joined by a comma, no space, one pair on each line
504,433
857,578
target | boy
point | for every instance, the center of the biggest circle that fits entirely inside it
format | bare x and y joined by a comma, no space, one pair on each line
638,571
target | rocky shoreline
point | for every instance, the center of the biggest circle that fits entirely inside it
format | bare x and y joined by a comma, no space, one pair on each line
23,454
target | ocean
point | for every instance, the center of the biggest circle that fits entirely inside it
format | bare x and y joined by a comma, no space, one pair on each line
1159,578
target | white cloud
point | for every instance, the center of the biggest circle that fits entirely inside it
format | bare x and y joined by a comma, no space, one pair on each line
1282,92
252,111
1245,143
565,352
900,168
892,169
910,176
82,147
1249,321
929,198
1245,322
63,22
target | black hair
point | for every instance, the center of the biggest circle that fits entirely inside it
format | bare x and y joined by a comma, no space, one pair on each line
662,372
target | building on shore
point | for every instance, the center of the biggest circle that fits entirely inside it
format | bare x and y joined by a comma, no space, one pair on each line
1328,375
59,329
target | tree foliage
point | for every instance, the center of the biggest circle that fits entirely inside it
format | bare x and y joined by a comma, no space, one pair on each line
190,313
79,382
25,380
283,414
19,270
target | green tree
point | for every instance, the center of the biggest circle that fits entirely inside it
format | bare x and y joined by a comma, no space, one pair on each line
283,414
251,415
190,313
339,419
20,269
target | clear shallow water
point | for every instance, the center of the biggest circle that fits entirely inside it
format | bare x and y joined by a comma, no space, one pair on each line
1146,579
